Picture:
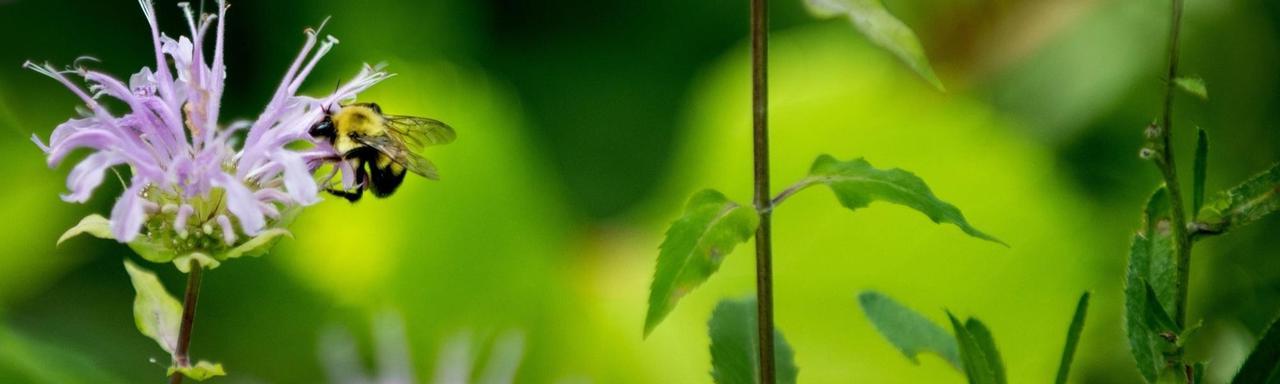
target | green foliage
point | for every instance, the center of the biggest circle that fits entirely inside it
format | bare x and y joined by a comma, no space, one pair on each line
695,246
95,225
883,29
978,351
202,371
1156,317
907,330
1073,339
24,359
1200,171
156,313
1245,203
1150,262
734,345
856,184
258,245
1193,85
1263,364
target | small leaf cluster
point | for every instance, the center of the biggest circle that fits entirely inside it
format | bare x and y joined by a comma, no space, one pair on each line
972,350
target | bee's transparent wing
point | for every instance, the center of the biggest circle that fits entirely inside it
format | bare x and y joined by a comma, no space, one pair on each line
419,132
391,146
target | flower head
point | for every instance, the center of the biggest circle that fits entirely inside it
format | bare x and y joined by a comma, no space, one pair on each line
194,186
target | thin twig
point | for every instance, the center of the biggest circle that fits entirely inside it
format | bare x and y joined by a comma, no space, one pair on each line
760,130
188,318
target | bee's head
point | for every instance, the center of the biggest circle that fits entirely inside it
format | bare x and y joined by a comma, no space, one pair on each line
323,128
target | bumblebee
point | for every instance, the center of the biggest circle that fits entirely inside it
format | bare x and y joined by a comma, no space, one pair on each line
380,147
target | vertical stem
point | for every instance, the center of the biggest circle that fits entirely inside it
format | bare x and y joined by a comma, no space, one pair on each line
760,129
188,317
1169,169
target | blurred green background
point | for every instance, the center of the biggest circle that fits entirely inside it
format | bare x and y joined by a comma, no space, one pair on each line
584,125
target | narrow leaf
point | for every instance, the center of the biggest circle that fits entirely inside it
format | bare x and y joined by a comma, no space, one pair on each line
978,352
258,245
155,312
1263,364
94,225
883,29
1150,262
856,184
695,246
1245,203
907,330
734,345
1193,85
1200,171
202,371
1073,339
1157,318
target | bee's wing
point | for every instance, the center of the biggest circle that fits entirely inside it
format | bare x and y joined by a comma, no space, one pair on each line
392,147
418,132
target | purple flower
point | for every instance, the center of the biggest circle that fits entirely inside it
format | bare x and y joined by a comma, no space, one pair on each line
191,187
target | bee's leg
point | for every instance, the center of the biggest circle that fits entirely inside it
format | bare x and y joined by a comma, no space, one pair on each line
362,179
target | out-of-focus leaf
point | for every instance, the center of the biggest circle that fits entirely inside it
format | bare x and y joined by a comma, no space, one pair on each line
24,359
1263,364
94,225
883,29
1198,376
695,246
156,313
734,341
1150,262
1193,85
202,371
982,363
856,184
907,330
257,246
1073,338
1245,203
1200,172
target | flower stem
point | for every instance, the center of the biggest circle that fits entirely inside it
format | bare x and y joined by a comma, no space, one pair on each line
1169,169
760,130
188,317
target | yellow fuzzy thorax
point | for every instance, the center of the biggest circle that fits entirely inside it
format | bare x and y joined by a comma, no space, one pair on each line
355,119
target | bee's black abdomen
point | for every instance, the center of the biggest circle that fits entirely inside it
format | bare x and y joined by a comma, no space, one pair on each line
384,181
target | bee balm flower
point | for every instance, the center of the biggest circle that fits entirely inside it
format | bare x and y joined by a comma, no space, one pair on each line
194,187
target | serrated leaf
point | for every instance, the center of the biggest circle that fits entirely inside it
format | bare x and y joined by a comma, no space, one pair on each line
695,245
856,184
1200,171
1193,85
156,313
94,225
907,330
1150,262
978,352
734,345
1263,364
202,371
1073,338
1245,203
883,29
258,245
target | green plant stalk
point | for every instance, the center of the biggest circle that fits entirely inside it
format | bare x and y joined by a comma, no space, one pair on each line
188,318
763,205
1169,169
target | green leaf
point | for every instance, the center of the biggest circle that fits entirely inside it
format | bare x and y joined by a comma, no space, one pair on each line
907,330
94,225
152,251
258,245
1073,338
982,363
856,184
1245,203
1263,364
26,359
155,312
883,29
1200,171
1150,263
1157,318
734,345
1193,85
202,371
184,262
695,246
